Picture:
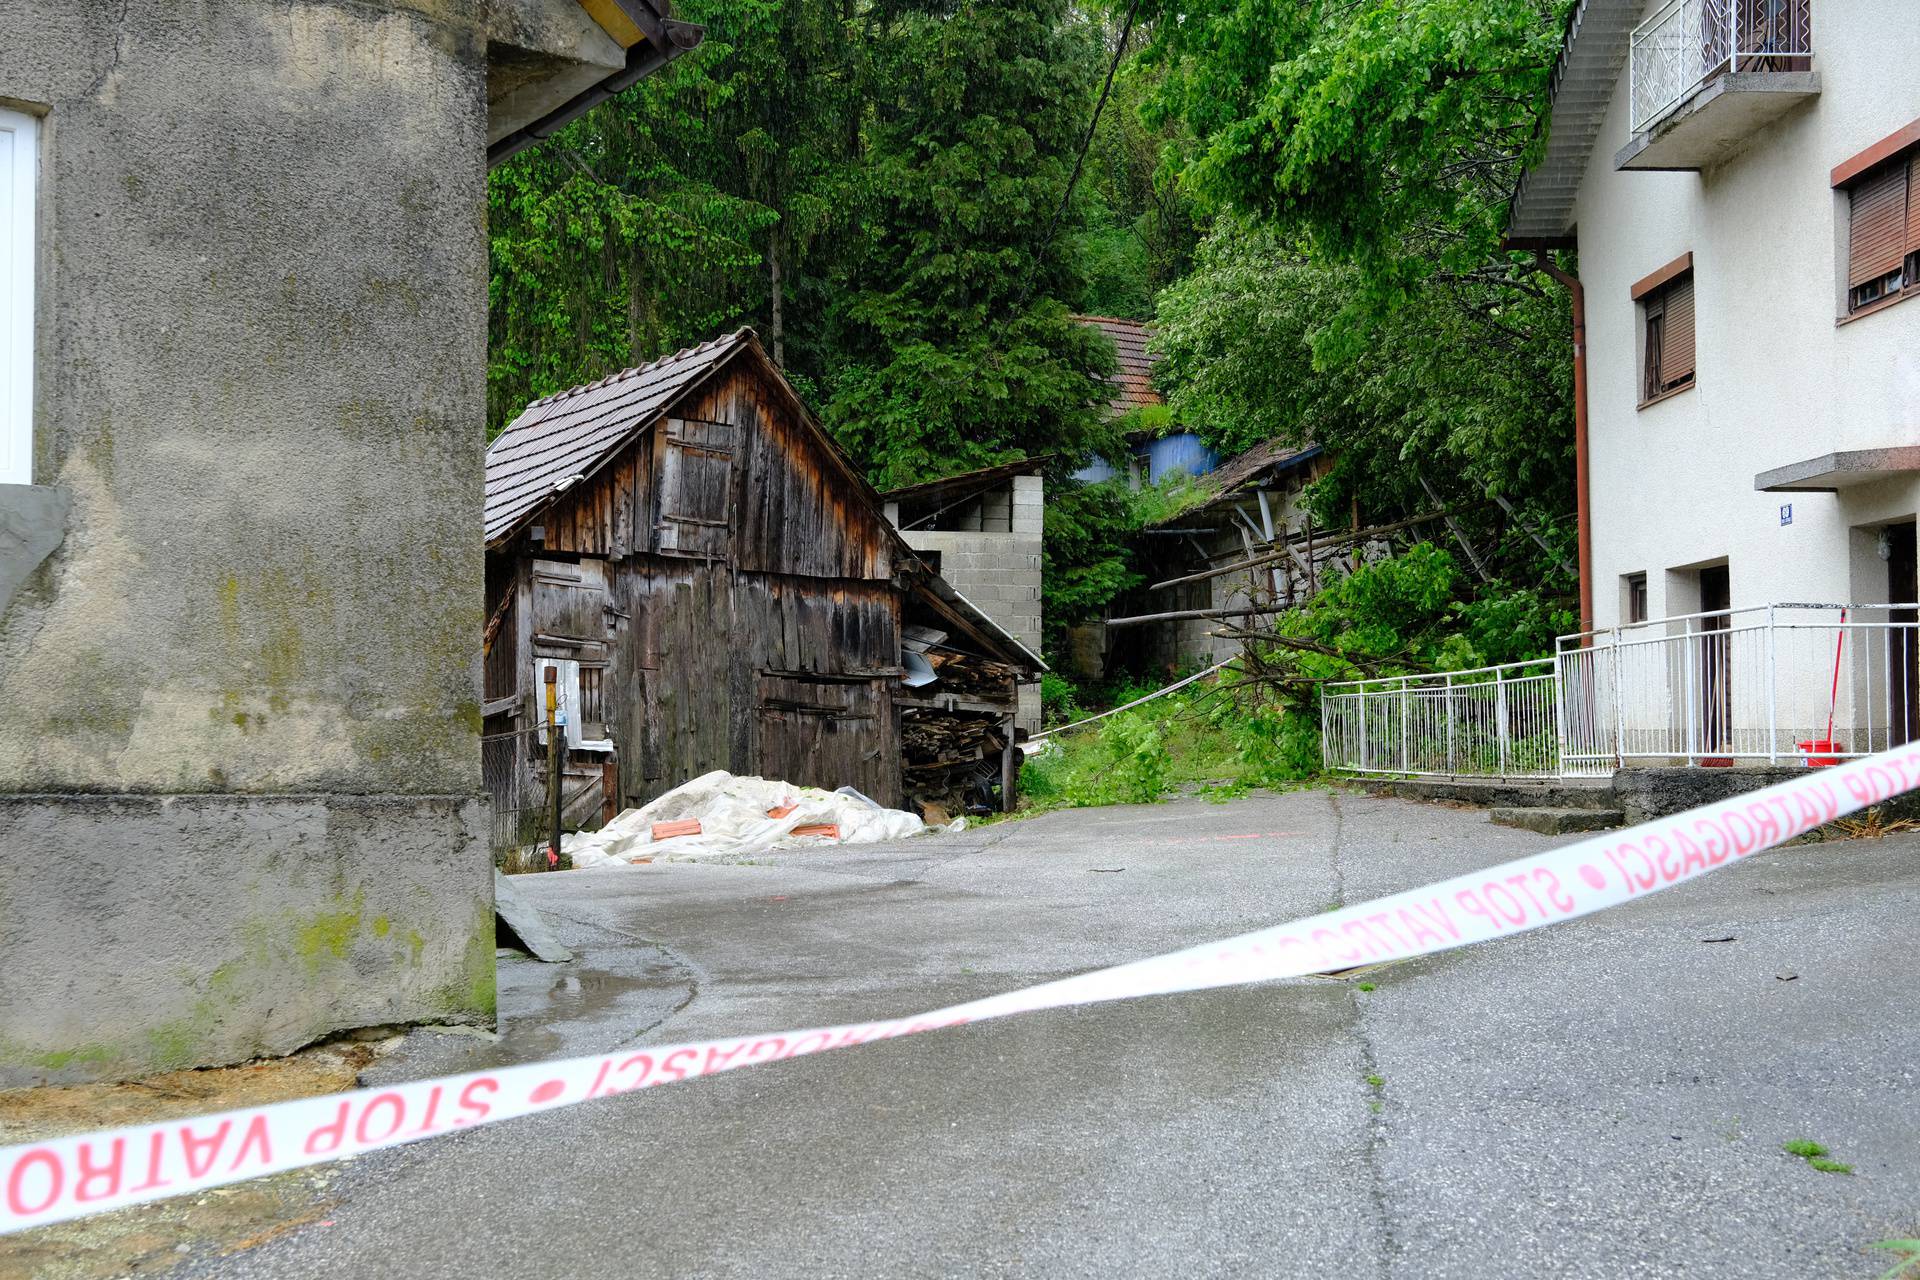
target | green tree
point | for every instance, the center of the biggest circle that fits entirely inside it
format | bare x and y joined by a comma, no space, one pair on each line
1384,134
1463,388
957,349
724,190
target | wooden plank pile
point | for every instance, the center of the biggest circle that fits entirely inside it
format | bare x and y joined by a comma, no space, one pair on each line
972,677
952,759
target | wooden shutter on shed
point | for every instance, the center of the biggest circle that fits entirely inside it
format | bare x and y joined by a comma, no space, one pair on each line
1878,234
696,486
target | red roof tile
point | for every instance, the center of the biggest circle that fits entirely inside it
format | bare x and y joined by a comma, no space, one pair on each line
1133,384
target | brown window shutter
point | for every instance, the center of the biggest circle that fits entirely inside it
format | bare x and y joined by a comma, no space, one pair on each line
1676,345
1877,230
1654,309
1913,204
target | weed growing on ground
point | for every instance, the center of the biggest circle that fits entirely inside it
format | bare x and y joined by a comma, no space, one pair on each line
1909,1265
1815,1155
1365,986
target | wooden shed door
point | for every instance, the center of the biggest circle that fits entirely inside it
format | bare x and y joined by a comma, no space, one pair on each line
827,732
696,486
573,617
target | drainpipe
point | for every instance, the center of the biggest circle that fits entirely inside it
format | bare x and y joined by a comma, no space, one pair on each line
1582,507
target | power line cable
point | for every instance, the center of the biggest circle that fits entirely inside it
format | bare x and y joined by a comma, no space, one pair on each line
1086,144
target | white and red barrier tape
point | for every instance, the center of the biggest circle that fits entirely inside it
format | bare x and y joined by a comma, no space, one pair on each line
51,1181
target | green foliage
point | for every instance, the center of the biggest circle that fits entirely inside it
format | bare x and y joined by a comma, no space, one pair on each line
957,350
1085,561
1139,226
1384,134
666,215
1124,761
1466,385
1059,699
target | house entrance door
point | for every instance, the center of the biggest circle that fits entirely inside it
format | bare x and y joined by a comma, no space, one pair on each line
1903,655
1716,662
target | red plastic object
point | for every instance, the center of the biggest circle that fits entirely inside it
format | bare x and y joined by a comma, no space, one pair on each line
668,830
831,830
1822,746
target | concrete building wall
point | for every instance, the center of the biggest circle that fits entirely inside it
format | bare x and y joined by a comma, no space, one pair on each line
998,567
239,720
1779,381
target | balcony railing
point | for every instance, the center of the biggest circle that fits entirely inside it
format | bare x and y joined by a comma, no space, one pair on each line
1775,684
1690,42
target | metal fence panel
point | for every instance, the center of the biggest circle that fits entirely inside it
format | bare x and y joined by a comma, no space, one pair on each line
1774,684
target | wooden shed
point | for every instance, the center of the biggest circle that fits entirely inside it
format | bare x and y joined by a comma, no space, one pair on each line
721,590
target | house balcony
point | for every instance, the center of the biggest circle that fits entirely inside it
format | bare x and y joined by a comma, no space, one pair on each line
1706,75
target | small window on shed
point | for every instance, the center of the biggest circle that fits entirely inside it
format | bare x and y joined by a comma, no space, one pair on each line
696,483
696,486
1666,317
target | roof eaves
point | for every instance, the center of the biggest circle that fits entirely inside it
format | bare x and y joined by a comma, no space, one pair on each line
1585,77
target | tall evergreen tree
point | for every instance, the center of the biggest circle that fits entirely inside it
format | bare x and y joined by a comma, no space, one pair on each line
713,194
958,347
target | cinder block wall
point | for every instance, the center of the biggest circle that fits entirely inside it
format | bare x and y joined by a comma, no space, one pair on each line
999,570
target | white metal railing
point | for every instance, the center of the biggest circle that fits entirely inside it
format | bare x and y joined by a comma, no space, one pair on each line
1772,684
1490,721
1689,42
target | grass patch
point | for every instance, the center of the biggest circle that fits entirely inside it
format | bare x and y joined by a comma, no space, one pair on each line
1204,736
1816,1156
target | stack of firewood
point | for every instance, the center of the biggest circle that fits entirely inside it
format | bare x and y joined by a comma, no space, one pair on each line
971,677
952,760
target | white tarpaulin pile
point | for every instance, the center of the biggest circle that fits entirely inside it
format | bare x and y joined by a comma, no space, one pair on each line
741,815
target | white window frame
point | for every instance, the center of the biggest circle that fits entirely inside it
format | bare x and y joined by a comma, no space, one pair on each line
19,171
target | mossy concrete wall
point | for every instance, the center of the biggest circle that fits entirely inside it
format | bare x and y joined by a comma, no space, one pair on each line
147,933
260,396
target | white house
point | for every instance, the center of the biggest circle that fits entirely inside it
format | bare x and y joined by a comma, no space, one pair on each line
1741,180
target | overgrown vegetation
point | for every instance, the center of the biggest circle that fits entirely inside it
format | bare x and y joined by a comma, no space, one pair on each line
1307,199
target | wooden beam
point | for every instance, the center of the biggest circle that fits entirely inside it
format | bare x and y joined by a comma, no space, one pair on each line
1184,615
1522,521
1459,535
1289,548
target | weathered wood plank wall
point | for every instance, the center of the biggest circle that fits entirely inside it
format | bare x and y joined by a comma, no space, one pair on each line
731,595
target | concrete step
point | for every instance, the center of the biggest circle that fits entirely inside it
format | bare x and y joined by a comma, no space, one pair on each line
1570,793
1556,822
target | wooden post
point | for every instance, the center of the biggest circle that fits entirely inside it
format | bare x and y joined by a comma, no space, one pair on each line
1009,774
554,756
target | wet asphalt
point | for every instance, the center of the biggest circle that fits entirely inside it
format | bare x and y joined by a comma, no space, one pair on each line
1605,1098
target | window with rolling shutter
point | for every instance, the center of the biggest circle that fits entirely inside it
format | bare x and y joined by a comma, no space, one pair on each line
1667,347
1880,231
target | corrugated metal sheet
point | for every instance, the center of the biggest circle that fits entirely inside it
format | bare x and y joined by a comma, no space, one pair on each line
1182,453
1246,467
570,434
1133,384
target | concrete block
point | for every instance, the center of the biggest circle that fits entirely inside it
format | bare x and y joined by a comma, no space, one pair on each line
147,933
1555,822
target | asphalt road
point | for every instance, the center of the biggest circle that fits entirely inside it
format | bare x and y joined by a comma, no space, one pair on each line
1605,1098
